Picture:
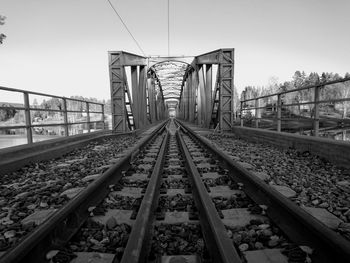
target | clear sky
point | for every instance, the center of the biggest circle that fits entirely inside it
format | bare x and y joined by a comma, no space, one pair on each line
60,47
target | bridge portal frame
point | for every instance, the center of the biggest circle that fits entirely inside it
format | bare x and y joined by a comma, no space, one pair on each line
138,105
209,107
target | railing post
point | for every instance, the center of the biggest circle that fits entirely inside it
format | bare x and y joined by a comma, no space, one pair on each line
316,111
242,124
65,117
88,116
257,113
279,110
27,118
103,117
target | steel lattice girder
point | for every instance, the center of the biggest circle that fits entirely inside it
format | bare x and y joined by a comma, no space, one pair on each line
199,81
226,80
118,80
136,114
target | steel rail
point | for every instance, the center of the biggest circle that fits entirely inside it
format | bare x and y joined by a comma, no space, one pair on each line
139,239
221,248
65,222
298,225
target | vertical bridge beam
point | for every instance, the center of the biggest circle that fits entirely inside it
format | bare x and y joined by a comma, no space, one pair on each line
117,79
224,58
142,94
184,106
201,99
186,109
118,60
160,103
192,102
226,89
195,91
208,94
152,99
135,96
187,102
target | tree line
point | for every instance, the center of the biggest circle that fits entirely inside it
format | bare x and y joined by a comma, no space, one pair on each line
74,104
8,113
2,22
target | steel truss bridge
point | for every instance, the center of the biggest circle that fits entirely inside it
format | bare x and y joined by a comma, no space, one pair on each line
163,86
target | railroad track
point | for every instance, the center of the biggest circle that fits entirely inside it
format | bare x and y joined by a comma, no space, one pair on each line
179,199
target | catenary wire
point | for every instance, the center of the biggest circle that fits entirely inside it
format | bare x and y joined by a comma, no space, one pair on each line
121,19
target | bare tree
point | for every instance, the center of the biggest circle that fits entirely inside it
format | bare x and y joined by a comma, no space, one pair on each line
2,22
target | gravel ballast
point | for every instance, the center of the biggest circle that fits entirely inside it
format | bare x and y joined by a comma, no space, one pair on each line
317,182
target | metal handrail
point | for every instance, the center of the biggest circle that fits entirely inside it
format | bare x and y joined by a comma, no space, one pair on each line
27,108
302,88
43,94
315,101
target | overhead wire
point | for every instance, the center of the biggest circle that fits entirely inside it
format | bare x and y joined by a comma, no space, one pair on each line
121,19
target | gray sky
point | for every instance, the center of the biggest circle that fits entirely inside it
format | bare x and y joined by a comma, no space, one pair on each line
60,47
